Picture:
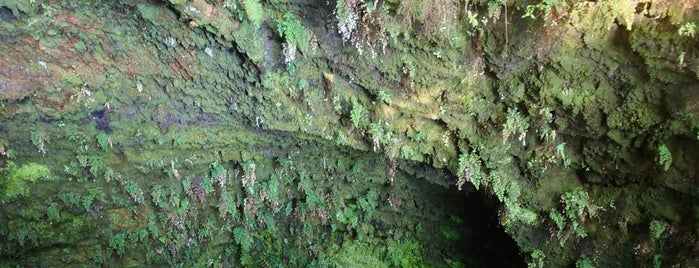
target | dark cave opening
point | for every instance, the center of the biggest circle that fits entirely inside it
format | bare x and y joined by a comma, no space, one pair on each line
473,213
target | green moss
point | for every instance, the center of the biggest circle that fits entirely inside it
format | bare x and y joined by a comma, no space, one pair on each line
19,181
251,42
604,81
450,234
404,253
358,254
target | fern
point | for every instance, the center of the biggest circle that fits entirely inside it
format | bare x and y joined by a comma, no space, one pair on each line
218,172
293,32
515,124
657,228
618,10
560,222
254,11
665,157
104,141
240,235
469,170
87,201
368,204
584,263
545,6
538,257
384,97
53,213
40,139
227,205
207,184
577,207
273,191
153,226
134,191
118,243
560,151
347,19
358,114
688,29
377,137
348,216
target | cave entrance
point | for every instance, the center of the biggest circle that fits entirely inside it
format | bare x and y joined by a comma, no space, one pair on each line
457,226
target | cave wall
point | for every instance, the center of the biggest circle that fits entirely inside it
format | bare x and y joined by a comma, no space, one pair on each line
579,118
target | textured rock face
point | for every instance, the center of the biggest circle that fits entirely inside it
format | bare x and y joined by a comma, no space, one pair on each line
316,133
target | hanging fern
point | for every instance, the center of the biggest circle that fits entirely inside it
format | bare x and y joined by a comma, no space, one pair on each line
254,11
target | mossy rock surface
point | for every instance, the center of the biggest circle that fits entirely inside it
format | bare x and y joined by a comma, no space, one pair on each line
312,133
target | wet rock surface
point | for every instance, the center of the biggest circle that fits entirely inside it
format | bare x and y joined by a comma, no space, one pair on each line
340,133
